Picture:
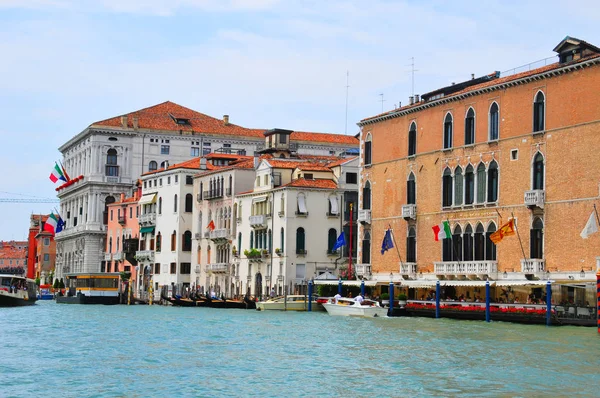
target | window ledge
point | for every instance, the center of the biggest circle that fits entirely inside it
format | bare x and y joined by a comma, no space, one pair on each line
447,149
540,132
411,157
491,204
493,142
472,145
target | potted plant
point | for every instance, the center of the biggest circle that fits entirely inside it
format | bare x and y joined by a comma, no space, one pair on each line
252,253
278,251
385,299
402,299
234,251
265,253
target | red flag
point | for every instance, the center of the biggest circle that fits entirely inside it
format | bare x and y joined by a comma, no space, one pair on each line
211,225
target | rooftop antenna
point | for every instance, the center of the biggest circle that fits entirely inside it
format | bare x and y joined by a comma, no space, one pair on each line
382,101
347,87
413,70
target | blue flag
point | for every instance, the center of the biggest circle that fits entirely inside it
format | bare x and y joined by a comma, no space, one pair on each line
387,243
60,224
341,241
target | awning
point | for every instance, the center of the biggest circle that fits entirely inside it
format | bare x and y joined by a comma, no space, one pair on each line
415,284
259,199
147,199
334,204
345,283
327,276
145,230
302,205
463,283
519,283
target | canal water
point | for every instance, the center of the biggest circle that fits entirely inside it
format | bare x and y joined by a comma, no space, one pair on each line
140,351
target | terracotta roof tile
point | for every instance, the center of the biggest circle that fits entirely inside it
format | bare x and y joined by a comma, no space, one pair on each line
303,183
188,164
8,253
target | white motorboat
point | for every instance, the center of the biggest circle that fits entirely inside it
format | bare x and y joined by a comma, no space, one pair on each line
16,291
293,302
349,307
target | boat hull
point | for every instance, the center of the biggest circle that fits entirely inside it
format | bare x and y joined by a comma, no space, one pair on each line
12,301
293,306
83,299
350,310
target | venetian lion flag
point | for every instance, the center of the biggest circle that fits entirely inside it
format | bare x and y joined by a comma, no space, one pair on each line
57,174
507,229
590,227
442,231
211,225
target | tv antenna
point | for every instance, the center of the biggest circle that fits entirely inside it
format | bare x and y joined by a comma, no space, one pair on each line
413,70
382,101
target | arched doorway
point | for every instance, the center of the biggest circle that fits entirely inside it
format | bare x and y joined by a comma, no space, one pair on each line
258,285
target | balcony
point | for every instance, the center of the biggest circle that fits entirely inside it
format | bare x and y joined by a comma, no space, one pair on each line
197,269
147,219
121,220
145,255
533,265
409,212
363,270
199,197
301,214
258,222
333,253
409,269
107,256
228,192
210,195
219,235
466,267
198,235
301,252
217,268
535,198
364,216
118,256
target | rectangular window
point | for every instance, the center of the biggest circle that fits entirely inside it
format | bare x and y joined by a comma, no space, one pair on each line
130,212
46,257
176,179
186,268
169,180
173,268
302,205
282,139
206,148
145,184
46,242
308,176
160,182
300,271
333,205
164,149
156,268
189,180
195,152
111,215
351,178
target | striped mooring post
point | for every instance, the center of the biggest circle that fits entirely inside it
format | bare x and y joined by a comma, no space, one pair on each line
129,292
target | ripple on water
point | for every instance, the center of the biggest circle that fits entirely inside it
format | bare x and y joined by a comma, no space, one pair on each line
110,351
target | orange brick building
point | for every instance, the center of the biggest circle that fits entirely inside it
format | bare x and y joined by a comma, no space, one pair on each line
473,154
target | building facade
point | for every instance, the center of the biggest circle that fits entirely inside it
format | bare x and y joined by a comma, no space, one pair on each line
478,153
108,157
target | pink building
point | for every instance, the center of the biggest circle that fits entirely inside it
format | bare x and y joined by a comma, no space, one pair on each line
122,236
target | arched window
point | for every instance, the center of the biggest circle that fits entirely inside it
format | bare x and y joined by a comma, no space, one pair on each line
490,247
366,248
270,241
188,202
300,241
411,190
470,127
164,164
469,185
448,131
411,246
492,187
160,205
153,166
537,239
187,241
412,139
222,186
468,243
229,189
251,239
331,239
111,157
368,149
538,171
282,240
175,203
174,241
447,252
494,121
239,246
110,244
447,188
479,241
158,242
538,112
458,186
457,241
367,196
481,183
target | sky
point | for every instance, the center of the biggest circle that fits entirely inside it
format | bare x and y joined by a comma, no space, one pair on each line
65,64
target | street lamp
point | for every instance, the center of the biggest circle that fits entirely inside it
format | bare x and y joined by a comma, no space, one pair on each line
582,273
391,277
505,275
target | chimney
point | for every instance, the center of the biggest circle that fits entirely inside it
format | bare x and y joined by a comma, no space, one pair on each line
135,122
255,160
411,100
122,197
202,163
452,84
225,120
124,121
400,104
472,76
417,99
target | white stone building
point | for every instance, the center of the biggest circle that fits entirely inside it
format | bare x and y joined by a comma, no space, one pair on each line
107,158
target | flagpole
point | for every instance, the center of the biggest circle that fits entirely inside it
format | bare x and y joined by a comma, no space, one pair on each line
64,171
596,211
518,235
350,246
396,246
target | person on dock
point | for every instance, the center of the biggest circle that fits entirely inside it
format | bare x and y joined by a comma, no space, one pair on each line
272,293
336,298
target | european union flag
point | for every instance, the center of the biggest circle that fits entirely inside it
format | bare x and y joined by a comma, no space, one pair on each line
387,243
341,241
59,225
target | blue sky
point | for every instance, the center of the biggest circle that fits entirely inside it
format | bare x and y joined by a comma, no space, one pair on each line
266,63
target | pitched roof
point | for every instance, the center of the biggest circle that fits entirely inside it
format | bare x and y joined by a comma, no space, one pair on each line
188,164
242,164
9,252
163,117
304,183
313,167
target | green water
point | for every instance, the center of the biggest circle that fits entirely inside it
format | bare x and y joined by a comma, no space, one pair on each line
141,351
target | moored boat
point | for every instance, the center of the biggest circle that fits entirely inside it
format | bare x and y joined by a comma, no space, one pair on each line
349,307
16,291
44,293
294,302
91,288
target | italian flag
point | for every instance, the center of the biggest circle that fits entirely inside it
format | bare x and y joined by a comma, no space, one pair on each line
50,224
442,231
57,174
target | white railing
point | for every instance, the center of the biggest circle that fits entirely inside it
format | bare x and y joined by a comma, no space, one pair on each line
217,267
259,221
533,265
364,216
219,234
535,197
408,268
145,254
409,211
198,235
118,256
197,269
148,218
465,267
363,269
107,256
